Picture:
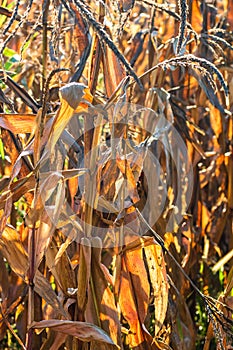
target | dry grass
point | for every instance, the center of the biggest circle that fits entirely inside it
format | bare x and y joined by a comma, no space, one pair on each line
116,175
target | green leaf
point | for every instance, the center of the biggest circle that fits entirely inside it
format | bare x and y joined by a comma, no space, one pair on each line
9,52
2,153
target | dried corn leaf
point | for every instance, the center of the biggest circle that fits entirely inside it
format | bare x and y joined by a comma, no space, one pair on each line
71,96
83,275
131,187
126,5
114,72
101,308
95,59
159,282
18,123
14,251
12,146
134,296
4,281
196,19
83,42
54,340
62,271
44,289
82,330
18,189
42,238
230,13
80,30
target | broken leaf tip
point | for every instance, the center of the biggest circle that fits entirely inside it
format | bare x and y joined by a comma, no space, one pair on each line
72,93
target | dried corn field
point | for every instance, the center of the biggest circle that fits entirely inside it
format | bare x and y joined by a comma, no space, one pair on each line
116,174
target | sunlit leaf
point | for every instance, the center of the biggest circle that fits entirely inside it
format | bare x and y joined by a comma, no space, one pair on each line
14,251
71,96
159,282
101,308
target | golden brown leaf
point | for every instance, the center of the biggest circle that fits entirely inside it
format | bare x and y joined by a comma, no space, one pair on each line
14,251
159,282
101,308
134,296
83,275
18,123
44,289
70,96
62,271
114,72
82,330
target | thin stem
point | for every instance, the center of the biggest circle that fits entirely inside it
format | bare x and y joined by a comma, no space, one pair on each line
183,9
45,10
31,274
11,329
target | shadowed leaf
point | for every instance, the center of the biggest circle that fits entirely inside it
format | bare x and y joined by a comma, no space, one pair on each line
82,330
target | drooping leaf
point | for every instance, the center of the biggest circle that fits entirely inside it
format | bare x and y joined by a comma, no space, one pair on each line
71,96
43,288
23,94
82,330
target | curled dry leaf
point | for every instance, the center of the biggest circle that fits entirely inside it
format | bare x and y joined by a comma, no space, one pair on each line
71,96
43,217
83,40
72,93
82,330
42,237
